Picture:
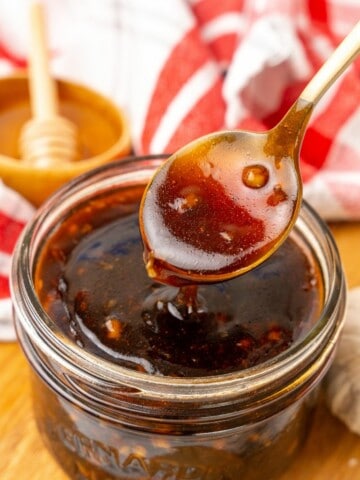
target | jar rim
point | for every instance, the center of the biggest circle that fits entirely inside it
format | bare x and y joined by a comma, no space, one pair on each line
47,336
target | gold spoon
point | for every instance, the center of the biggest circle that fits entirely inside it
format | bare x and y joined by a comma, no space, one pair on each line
224,203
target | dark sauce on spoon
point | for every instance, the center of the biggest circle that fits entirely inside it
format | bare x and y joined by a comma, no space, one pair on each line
224,203
92,281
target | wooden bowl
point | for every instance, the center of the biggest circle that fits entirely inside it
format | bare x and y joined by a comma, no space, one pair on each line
103,135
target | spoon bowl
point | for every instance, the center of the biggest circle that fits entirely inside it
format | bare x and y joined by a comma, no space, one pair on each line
224,203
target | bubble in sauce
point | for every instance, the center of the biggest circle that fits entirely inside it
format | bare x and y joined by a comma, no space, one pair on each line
255,176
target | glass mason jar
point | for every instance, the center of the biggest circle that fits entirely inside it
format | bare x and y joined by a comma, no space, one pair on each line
102,421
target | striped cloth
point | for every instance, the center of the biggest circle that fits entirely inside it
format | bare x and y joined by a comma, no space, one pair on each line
183,68
14,213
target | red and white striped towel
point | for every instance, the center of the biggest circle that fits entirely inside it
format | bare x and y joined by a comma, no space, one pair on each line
183,68
14,213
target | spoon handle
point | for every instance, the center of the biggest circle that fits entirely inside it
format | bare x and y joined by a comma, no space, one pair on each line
341,58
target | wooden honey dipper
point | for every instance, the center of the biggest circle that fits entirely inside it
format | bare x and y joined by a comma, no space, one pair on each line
48,138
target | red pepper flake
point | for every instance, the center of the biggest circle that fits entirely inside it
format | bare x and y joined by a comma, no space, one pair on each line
277,196
244,343
73,229
58,254
114,328
86,228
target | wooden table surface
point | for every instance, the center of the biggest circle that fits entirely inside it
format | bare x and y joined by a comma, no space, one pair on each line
331,452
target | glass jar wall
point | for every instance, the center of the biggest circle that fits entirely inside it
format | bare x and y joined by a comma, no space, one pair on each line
102,420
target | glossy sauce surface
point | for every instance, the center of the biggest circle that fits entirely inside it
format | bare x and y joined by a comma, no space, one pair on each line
92,281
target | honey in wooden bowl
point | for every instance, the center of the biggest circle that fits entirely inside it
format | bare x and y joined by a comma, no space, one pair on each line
103,131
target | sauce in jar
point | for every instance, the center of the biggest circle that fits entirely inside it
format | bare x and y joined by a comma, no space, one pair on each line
92,281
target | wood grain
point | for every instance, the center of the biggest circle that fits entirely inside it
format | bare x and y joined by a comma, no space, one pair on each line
331,452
